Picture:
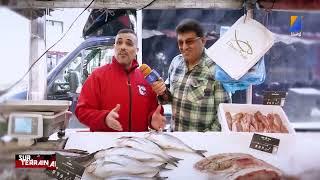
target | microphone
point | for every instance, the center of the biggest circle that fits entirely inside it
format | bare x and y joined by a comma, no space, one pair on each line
149,74
152,76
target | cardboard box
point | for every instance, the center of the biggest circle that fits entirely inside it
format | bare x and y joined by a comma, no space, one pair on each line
251,108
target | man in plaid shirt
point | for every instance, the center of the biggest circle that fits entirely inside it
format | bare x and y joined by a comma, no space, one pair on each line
194,93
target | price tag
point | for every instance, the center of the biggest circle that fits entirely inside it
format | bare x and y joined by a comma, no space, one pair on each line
274,97
66,169
264,143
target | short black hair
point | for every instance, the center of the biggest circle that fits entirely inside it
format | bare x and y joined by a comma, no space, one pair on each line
190,25
123,31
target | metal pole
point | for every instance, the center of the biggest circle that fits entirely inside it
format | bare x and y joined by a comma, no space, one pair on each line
37,77
249,90
139,34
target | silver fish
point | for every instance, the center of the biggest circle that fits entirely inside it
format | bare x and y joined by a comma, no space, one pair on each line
135,177
121,165
168,141
151,159
147,146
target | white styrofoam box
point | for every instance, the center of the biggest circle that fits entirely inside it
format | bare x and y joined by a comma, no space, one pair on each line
251,108
241,47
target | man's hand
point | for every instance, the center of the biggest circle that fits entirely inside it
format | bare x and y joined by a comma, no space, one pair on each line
159,87
111,119
158,121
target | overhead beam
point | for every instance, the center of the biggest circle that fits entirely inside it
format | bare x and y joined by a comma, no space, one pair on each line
292,5
128,4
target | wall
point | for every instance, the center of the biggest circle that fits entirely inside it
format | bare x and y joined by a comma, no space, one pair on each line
14,46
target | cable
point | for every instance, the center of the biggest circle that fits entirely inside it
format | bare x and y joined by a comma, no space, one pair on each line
147,5
17,82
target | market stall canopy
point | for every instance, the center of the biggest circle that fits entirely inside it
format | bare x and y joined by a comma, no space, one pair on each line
32,9
119,4
31,13
290,4
164,4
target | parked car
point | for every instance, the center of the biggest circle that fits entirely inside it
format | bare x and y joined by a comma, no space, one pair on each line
72,70
65,80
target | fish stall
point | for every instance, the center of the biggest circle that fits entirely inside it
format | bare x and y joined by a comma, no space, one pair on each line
255,142
195,155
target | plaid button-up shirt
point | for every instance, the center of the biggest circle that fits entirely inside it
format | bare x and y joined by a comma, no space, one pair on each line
195,95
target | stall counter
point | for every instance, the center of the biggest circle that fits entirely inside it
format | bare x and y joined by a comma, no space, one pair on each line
297,153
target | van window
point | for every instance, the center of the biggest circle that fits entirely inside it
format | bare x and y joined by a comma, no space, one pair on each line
94,58
70,79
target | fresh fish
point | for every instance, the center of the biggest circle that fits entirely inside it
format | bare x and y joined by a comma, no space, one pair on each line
168,141
151,159
121,165
131,160
134,161
147,146
135,177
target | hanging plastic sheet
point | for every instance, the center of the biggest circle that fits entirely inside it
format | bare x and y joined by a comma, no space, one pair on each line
255,76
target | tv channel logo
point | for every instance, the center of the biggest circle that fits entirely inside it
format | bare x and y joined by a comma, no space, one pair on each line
296,25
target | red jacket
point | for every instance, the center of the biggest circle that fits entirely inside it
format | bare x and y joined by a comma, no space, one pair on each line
110,85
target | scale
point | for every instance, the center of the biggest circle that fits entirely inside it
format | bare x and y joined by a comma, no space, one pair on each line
29,120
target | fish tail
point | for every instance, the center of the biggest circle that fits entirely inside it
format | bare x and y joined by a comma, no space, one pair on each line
163,167
170,161
175,159
158,177
85,158
77,151
201,152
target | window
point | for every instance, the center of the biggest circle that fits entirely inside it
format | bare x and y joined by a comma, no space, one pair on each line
94,58
71,77
293,65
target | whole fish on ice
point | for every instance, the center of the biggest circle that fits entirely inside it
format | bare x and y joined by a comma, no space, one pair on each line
135,177
150,159
147,146
168,141
121,165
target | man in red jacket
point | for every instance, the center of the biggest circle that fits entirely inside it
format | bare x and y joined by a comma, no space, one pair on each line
116,97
